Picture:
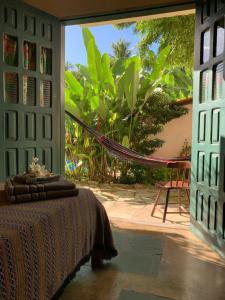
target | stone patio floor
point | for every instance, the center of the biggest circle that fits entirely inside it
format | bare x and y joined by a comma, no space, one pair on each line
156,260
133,204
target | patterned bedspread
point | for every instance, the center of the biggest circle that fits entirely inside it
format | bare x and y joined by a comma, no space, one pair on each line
42,243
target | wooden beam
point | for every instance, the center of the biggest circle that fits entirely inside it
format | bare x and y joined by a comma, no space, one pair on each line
104,10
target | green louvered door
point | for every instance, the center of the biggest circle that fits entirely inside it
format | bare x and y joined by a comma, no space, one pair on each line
30,104
208,184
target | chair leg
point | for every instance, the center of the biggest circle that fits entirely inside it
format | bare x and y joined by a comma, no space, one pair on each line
156,202
188,196
166,205
179,200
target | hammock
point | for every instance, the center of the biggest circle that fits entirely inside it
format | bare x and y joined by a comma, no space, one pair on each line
123,153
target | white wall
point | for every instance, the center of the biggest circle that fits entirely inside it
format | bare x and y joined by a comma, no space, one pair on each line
174,134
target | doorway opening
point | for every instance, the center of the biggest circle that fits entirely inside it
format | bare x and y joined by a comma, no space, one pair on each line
133,83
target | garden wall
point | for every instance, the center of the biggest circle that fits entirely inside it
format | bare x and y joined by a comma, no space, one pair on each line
174,134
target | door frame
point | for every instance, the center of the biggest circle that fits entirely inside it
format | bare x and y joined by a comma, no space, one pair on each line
166,11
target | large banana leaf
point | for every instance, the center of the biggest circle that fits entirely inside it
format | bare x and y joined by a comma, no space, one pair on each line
107,72
131,82
102,109
125,141
72,107
73,85
121,87
93,56
119,67
159,64
71,104
121,64
94,102
84,71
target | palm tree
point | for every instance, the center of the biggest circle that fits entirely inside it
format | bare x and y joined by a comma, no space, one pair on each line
121,49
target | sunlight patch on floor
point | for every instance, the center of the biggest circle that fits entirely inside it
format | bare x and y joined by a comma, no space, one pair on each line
133,203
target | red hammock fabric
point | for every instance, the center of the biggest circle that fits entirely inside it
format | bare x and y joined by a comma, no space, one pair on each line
123,153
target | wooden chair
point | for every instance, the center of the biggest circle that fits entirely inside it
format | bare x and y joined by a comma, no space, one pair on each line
179,180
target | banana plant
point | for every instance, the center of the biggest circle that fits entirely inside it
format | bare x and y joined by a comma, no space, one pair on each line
111,98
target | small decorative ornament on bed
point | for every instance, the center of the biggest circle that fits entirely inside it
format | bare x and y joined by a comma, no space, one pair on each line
38,183
38,170
40,173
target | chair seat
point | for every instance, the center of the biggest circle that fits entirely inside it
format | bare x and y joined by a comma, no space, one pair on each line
173,185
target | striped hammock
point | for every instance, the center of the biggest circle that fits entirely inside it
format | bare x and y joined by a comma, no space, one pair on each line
117,150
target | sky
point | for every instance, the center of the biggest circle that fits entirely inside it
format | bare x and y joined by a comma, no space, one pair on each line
104,36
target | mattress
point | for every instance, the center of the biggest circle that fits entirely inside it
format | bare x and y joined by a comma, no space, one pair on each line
43,243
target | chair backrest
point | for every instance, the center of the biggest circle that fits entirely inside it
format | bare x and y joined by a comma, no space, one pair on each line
180,173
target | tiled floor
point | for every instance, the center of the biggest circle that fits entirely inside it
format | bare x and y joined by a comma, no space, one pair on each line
157,261
155,264
131,295
133,204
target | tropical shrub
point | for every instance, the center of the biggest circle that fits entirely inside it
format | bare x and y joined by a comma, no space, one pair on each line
123,101
176,31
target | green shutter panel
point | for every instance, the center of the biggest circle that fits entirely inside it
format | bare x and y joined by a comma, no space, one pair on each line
30,106
208,184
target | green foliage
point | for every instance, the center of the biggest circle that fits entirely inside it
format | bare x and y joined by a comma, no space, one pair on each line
140,174
178,32
75,88
120,50
123,101
186,149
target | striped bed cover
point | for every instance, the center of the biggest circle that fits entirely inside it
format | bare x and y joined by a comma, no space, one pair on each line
42,244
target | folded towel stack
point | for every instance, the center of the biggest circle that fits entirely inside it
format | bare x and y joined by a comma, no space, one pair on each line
25,188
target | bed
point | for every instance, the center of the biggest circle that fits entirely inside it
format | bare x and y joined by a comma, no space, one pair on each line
43,244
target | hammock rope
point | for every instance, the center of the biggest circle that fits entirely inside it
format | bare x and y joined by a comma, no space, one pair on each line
119,151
